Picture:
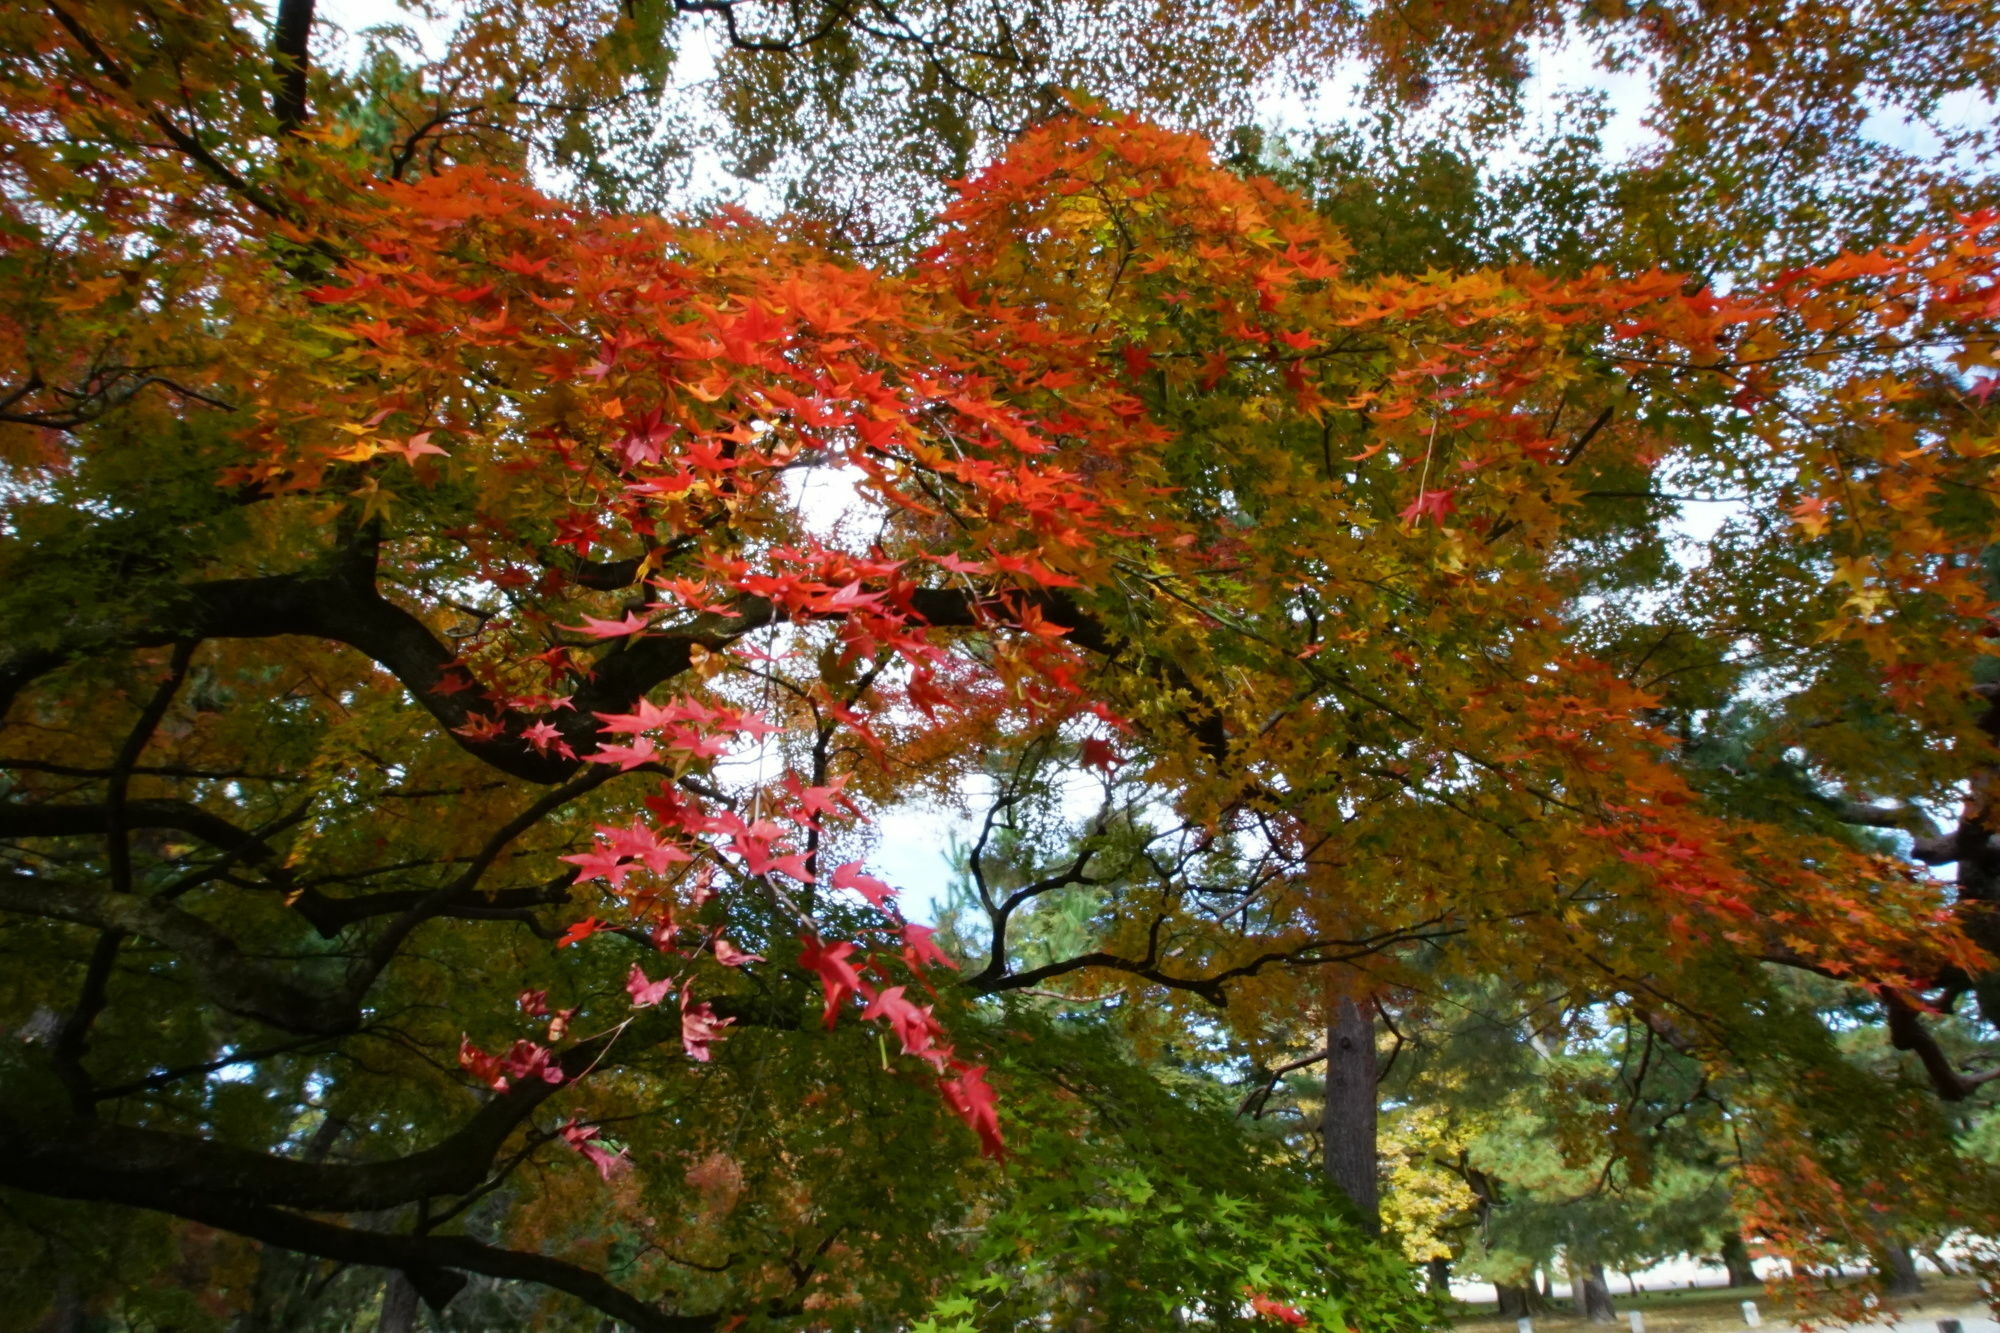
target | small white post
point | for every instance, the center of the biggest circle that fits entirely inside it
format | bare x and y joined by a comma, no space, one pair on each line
1524,1325
1750,1315
1637,1319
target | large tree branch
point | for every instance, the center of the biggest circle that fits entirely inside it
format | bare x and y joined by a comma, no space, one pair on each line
1907,1032
237,983
1212,987
75,821
330,916
453,1165
344,607
1906,817
433,1263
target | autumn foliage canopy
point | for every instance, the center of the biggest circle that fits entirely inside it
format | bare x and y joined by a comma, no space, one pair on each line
459,639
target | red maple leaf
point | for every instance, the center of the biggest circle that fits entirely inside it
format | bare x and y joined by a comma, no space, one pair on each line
699,1027
641,843
972,1100
1099,754
1273,1309
597,628
541,735
920,951
644,992
816,802
729,955
1435,505
602,863
836,975
579,532
486,1068
581,1138
959,565
849,876
758,858
525,1058
912,1024
583,930
648,716
627,757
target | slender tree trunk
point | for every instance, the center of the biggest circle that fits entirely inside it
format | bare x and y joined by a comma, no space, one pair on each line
1898,1269
1348,1130
66,1312
284,1278
1736,1258
1438,1272
399,1306
280,1277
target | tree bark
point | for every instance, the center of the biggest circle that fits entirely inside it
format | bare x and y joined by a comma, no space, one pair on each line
399,1306
1592,1294
1348,1128
1736,1258
1516,1302
1438,1274
66,1312
1897,1268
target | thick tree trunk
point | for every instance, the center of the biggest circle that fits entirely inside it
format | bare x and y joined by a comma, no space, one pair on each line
1898,1269
1736,1258
1593,1294
1348,1130
1515,1302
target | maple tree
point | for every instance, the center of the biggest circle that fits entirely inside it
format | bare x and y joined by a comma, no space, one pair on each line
444,719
